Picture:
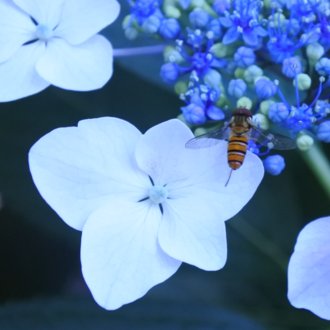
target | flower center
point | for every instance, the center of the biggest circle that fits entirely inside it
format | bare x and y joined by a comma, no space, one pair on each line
158,194
43,32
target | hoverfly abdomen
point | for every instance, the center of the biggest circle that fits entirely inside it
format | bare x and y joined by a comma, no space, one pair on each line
237,146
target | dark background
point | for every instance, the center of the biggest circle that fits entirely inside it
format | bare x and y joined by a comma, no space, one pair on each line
41,285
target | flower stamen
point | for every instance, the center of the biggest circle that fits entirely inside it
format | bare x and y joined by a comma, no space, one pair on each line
43,32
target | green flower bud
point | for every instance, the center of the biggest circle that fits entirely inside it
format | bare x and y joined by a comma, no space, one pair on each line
131,33
219,50
264,106
171,11
180,87
244,102
304,142
172,55
261,121
200,131
252,73
239,73
198,3
304,81
212,78
314,52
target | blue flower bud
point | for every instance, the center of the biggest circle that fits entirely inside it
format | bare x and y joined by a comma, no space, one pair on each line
236,88
198,18
214,30
215,113
278,112
244,56
220,6
194,114
323,131
291,66
169,72
274,164
169,28
265,88
323,66
151,24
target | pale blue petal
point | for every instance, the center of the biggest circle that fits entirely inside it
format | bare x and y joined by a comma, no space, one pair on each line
199,204
77,169
160,151
46,12
18,77
16,28
120,256
309,269
192,230
81,19
83,67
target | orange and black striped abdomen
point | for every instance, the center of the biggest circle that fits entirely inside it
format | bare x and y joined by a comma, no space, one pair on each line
237,146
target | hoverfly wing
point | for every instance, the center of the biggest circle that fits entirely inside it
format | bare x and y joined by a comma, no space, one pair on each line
208,139
272,141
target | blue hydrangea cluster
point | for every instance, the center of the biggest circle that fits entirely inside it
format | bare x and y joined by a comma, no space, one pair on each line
272,57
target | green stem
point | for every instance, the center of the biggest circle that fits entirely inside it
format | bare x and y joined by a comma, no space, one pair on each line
260,241
319,164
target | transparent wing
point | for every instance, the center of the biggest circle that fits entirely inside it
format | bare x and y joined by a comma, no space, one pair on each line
270,140
209,139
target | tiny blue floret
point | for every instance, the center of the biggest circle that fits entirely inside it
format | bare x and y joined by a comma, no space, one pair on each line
244,56
278,112
323,131
274,164
291,67
265,88
199,18
169,28
194,114
169,72
237,88
323,66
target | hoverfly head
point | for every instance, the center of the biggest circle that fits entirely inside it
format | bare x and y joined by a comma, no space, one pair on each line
242,112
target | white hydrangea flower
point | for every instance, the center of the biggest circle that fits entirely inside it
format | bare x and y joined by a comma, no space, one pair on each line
144,202
309,269
54,42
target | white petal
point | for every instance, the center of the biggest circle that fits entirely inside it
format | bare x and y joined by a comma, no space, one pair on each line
309,269
81,19
242,185
18,77
77,169
120,256
160,151
16,28
191,231
46,12
81,68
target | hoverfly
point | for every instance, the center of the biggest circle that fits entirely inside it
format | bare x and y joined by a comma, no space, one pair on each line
239,131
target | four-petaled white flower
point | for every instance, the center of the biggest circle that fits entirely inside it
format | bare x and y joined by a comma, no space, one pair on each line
54,42
309,269
144,202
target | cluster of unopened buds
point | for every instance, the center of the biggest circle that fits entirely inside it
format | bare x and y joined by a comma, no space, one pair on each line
271,57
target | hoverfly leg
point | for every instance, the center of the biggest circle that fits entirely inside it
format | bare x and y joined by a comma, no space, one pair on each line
231,171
